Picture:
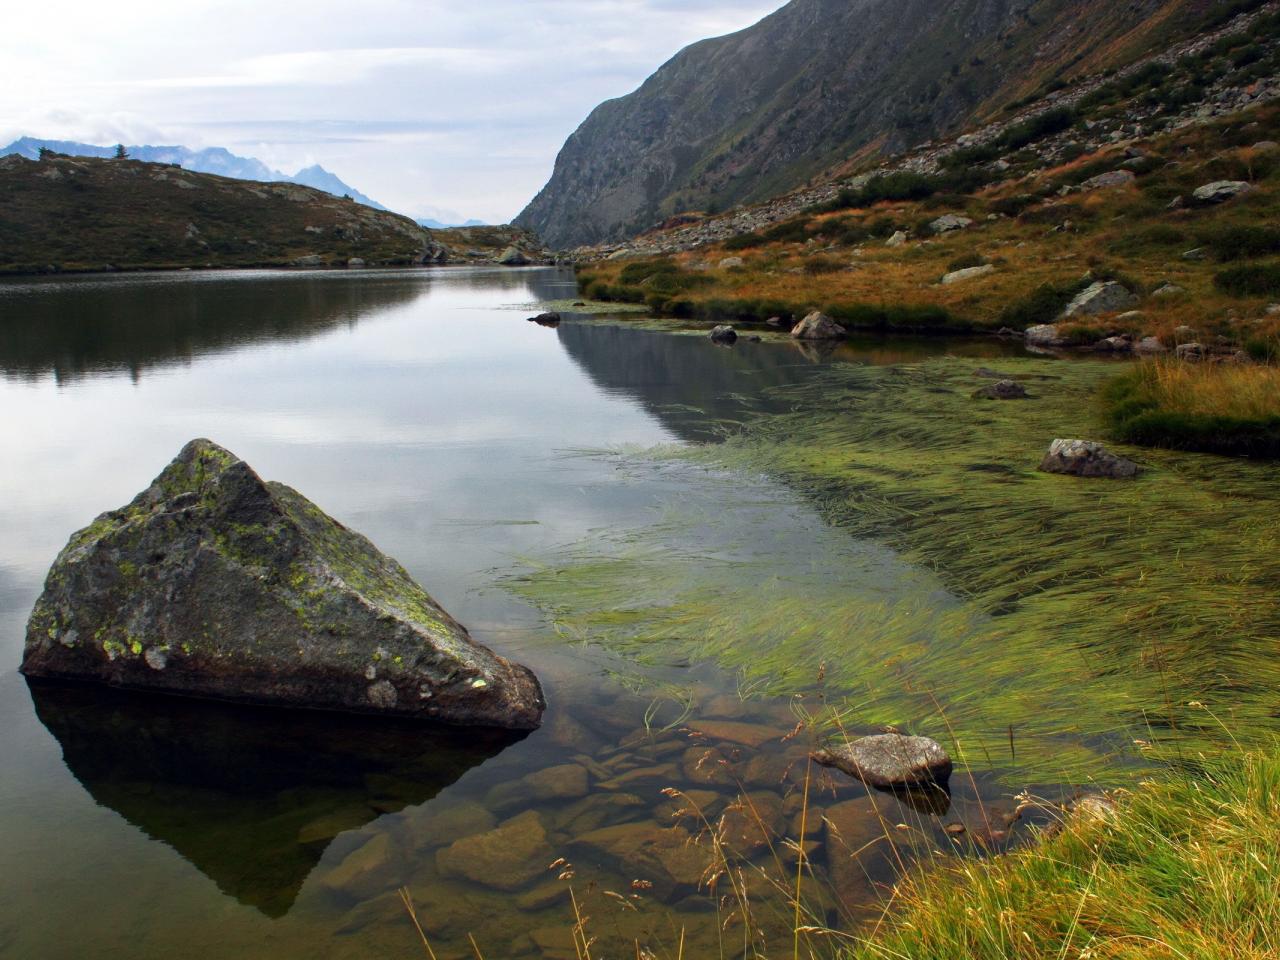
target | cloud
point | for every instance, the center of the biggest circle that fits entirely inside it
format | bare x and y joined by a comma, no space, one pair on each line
415,102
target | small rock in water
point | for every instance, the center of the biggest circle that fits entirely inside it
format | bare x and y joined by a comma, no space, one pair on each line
890,760
215,584
724,334
1084,458
1001,390
817,326
546,319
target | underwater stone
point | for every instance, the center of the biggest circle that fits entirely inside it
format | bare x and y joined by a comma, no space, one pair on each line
1084,458
890,760
213,583
507,858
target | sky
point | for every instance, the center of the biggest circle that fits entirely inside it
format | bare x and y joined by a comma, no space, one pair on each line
429,106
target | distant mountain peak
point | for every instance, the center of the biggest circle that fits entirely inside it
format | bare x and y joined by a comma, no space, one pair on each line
218,160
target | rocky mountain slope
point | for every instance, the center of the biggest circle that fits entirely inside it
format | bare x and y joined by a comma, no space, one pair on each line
209,160
821,86
65,213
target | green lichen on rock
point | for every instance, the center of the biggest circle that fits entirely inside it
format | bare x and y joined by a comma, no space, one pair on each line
215,583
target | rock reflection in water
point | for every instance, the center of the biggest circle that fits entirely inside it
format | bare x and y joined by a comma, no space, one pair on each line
250,797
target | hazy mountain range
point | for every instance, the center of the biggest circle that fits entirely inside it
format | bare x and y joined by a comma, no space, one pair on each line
216,160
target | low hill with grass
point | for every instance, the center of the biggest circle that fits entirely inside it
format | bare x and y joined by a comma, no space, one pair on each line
71,214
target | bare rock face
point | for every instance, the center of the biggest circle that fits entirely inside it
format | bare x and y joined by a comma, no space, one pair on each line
817,326
1084,458
213,583
890,760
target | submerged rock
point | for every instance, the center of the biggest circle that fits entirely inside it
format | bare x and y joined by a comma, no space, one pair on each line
817,326
1001,390
890,760
212,583
1084,458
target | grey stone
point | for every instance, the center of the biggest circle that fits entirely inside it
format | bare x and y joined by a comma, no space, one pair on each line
1101,297
969,273
1190,351
1112,178
1149,345
949,222
1113,345
1167,290
212,583
1199,253
513,257
1043,335
1084,458
890,760
1220,191
898,239
724,334
729,262
355,263
817,326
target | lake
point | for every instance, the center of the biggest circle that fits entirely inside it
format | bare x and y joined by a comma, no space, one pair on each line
420,408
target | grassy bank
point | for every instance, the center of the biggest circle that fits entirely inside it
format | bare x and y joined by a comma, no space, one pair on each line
1189,868
1224,409
1044,231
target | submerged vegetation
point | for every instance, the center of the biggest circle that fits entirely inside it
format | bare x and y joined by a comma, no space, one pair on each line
1134,599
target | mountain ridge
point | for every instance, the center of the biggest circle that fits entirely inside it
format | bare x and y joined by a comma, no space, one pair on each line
820,86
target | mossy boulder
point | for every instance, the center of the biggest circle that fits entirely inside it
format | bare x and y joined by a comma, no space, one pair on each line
213,583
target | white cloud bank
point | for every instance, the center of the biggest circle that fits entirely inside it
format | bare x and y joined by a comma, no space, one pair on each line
421,104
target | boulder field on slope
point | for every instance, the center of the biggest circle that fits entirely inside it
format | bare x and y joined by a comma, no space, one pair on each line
214,583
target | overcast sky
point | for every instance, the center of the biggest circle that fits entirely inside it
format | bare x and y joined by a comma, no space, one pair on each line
422,104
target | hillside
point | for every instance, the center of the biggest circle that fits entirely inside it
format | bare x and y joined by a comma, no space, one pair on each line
1165,180
821,85
209,160
76,213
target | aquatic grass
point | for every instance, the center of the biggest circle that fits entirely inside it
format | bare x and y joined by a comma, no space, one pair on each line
1053,621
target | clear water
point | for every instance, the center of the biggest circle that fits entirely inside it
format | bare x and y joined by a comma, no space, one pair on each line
421,409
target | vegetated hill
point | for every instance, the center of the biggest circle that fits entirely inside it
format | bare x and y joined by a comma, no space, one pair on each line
741,118
209,160
78,213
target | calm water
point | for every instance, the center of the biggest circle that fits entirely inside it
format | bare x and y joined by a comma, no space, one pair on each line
421,409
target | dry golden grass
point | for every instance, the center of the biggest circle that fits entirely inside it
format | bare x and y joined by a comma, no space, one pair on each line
1247,391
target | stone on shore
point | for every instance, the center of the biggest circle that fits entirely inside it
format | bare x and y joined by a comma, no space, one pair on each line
215,584
890,760
1044,335
1084,458
1101,297
817,326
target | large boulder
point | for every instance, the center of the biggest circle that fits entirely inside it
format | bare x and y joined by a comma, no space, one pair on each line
213,583
1101,297
817,326
513,257
968,273
1044,335
890,760
1084,458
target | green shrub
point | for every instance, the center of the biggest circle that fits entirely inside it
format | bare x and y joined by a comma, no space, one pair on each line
1238,242
1012,206
817,265
789,231
744,241
1042,305
965,261
1253,280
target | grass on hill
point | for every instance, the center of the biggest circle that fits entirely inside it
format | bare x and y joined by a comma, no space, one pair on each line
1045,237
1214,408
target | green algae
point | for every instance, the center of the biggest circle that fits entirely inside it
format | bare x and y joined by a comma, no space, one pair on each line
1086,625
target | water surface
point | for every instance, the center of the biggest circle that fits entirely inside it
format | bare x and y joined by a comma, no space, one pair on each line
420,408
